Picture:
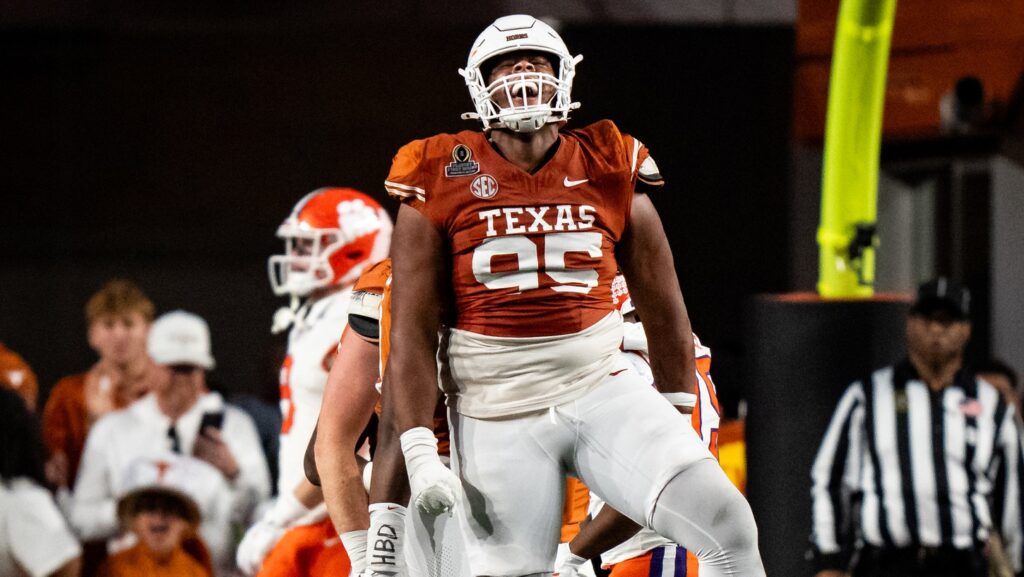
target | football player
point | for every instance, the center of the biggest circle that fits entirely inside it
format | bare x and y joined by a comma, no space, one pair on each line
626,549
377,542
331,236
521,228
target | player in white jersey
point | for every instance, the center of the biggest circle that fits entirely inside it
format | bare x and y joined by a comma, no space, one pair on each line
645,553
331,236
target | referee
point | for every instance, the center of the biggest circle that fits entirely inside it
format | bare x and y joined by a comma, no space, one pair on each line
918,471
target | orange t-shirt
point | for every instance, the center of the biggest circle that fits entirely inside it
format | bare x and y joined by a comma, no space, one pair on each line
139,562
15,374
66,421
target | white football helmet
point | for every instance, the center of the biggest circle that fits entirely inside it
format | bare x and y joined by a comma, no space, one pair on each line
509,34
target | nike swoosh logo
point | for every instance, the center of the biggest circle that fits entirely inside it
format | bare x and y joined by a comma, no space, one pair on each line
571,183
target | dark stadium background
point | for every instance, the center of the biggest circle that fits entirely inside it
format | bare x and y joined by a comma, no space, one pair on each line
164,142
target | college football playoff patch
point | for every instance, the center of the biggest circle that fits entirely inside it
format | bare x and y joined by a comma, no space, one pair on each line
462,163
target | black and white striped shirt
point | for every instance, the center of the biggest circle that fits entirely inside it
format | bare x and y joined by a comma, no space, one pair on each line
923,466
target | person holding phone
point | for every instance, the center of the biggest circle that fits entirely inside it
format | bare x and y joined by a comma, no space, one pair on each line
180,418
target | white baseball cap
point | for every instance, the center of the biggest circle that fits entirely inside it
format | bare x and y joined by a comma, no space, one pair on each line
180,338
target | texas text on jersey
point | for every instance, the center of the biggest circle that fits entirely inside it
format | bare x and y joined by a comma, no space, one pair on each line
534,277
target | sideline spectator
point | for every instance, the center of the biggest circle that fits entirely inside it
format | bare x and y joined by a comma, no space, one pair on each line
34,538
118,318
917,445
181,417
15,374
164,521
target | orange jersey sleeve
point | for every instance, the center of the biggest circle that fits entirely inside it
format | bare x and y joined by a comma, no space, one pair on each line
406,180
374,278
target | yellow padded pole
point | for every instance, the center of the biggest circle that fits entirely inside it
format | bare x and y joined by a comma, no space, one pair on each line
853,134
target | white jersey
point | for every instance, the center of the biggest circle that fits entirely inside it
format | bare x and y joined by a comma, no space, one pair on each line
312,343
34,538
705,420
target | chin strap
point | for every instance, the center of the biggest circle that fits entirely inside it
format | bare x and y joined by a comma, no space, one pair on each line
285,317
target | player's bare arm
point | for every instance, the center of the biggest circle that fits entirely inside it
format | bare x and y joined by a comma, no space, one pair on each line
606,530
390,481
418,265
309,458
646,261
410,378
349,397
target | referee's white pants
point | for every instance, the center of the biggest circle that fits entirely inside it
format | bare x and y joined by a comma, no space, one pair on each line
630,446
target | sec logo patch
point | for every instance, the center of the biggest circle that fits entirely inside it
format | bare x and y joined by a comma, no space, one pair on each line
484,186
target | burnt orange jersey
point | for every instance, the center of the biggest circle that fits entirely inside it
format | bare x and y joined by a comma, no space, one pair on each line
532,254
377,281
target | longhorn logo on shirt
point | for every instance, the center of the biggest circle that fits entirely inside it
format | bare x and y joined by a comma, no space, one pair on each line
161,469
484,186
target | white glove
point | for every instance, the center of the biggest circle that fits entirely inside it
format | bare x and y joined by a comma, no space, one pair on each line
258,541
435,489
261,537
570,566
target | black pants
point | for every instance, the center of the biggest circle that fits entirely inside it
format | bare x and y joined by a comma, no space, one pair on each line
920,562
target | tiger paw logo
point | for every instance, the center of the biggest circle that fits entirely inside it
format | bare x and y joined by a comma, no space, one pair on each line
357,219
484,186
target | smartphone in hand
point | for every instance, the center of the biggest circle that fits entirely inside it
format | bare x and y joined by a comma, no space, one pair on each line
215,420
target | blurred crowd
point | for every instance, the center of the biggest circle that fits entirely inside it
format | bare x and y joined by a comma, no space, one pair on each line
133,466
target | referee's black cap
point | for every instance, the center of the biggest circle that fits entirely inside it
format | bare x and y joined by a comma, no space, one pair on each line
943,295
